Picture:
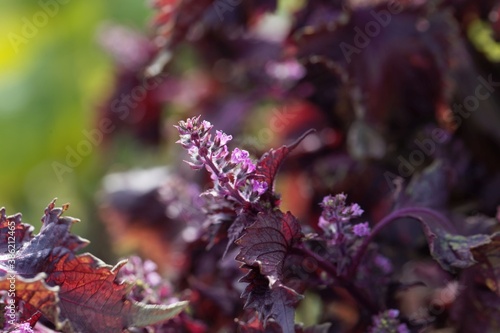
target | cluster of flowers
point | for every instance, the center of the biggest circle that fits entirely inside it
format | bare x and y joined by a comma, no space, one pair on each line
335,218
20,328
388,322
148,285
234,174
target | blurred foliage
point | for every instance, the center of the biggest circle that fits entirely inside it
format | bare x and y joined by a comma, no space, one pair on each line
49,88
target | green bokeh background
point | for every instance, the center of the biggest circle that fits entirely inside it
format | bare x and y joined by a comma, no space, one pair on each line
49,89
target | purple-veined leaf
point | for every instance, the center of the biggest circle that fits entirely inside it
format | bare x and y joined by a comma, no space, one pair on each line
266,242
78,293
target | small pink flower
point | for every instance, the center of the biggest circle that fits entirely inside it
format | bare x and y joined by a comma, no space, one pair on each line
259,186
222,137
361,229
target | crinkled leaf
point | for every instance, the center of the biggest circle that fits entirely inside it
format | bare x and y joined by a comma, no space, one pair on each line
266,242
448,248
89,295
36,295
271,302
53,241
21,232
87,281
453,251
254,325
386,64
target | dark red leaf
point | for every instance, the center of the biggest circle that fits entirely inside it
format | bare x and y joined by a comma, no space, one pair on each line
88,294
102,304
270,162
387,63
12,227
36,296
274,301
244,220
266,242
430,188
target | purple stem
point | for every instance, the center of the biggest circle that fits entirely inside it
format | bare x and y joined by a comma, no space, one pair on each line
359,295
401,213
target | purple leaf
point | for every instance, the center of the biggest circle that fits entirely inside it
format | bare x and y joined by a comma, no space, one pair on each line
271,302
453,251
244,220
12,227
88,296
270,162
266,242
450,249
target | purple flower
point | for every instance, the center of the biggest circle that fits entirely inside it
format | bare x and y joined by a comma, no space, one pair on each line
242,159
221,153
249,167
403,329
207,125
361,229
335,221
21,328
334,201
233,175
288,70
239,156
222,138
335,209
335,213
149,287
388,321
383,263
193,126
353,210
392,313
193,151
323,224
259,186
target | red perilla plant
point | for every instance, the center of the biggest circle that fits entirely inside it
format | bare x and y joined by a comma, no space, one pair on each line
383,219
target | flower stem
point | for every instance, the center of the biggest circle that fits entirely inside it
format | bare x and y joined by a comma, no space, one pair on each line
232,191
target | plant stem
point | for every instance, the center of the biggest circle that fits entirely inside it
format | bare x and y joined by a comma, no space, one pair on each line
360,296
394,216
